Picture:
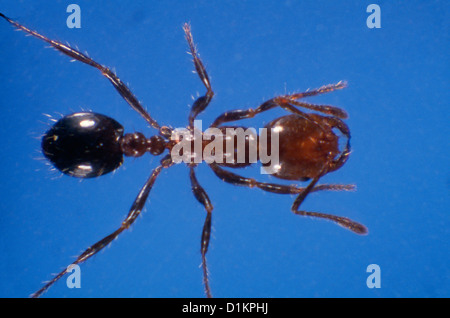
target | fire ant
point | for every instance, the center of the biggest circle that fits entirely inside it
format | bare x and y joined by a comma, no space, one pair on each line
88,145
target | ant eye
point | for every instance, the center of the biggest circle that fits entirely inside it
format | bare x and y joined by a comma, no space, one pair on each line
84,145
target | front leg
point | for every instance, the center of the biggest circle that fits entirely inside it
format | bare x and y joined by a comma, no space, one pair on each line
340,220
289,103
239,180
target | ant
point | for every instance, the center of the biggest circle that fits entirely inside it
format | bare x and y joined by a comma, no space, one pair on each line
88,145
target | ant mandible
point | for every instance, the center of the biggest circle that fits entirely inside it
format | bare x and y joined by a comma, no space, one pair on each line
87,145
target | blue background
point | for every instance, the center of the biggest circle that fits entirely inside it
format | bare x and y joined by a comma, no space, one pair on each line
398,98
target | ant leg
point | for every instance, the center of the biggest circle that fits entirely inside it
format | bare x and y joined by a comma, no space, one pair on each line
322,90
239,114
302,193
236,179
326,109
123,90
202,102
135,210
197,62
342,221
202,197
287,102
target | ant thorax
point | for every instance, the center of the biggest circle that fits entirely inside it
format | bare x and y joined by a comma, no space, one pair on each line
232,146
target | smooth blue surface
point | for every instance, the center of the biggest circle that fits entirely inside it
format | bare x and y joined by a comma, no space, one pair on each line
398,98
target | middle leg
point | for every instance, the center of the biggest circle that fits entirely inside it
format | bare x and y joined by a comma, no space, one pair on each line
202,197
202,102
